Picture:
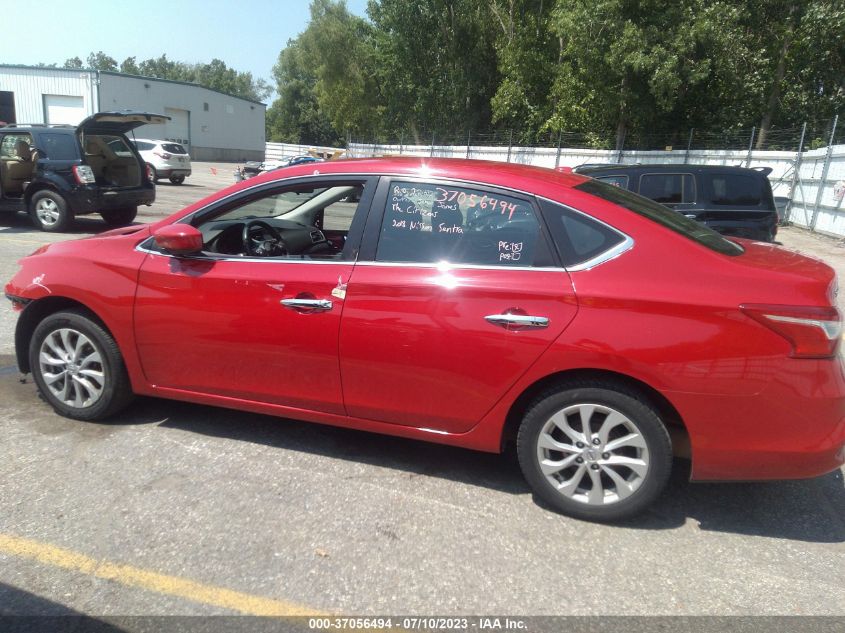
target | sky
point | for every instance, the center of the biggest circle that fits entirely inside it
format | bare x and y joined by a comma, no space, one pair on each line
246,34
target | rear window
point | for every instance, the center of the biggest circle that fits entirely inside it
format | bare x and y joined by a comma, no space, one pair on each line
617,181
173,148
736,190
668,188
663,216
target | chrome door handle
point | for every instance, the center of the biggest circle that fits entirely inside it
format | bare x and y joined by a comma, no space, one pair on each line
523,320
315,305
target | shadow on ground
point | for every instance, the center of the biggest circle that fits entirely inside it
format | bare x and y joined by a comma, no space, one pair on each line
808,510
25,612
16,223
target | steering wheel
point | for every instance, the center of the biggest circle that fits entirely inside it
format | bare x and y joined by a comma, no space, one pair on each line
267,243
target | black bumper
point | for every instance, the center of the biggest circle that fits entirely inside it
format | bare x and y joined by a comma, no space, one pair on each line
83,200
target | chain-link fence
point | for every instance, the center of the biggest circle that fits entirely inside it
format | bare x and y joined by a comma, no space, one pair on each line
815,134
806,164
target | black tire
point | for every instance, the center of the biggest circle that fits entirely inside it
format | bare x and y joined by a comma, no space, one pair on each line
86,336
153,173
614,500
49,211
177,179
120,217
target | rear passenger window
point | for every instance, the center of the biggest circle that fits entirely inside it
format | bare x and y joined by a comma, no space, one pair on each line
736,190
578,237
428,223
668,188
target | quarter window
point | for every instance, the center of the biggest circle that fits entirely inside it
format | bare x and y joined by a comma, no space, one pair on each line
736,190
429,223
60,146
578,237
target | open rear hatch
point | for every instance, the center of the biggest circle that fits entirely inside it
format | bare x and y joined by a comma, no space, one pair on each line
118,122
115,164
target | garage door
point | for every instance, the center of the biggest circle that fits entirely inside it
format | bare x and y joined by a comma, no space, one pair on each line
178,127
63,109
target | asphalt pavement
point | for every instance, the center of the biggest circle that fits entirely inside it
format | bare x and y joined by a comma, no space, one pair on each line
174,508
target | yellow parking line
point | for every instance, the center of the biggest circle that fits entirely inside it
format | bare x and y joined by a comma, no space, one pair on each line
16,241
150,580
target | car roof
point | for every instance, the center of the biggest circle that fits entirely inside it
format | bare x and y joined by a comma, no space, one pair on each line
672,168
521,177
39,127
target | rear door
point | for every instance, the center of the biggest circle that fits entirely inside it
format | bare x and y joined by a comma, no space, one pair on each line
455,295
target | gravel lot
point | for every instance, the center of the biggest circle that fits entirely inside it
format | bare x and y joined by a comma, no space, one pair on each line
347,522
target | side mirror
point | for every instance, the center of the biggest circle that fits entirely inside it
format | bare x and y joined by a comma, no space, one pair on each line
179,239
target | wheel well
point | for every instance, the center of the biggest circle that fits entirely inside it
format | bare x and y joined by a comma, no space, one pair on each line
33,189
33,315
668,413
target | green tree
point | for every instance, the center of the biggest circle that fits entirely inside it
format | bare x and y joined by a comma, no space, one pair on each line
435,63
72,62
101,61
130,66
627,64
296,116
527,53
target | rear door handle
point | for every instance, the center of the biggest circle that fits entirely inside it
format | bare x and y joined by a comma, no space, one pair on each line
523,320
312,305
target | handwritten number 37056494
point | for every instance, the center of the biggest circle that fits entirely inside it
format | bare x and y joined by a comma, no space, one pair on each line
472,200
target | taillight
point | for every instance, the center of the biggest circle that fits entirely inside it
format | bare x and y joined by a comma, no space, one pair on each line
149,173
84,174
163,155
813,332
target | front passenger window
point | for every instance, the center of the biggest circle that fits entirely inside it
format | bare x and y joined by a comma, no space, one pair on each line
297,222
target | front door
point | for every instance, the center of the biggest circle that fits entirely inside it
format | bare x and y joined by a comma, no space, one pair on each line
461,297
256,316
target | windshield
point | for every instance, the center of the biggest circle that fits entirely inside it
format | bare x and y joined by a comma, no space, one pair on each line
664,216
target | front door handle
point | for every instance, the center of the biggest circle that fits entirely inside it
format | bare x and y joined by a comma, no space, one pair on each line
521,320
312,305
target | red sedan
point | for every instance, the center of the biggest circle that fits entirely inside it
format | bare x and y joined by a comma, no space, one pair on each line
462,302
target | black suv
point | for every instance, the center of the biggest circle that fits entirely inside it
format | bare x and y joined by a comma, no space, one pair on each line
731,200
56,172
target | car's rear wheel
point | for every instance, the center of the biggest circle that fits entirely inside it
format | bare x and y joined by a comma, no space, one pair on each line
177,179
120,217
78,367
49,211
595,450
152,173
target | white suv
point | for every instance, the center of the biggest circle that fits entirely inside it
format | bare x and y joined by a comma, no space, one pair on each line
165,159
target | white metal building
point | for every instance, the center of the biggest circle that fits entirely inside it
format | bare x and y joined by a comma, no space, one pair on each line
213,125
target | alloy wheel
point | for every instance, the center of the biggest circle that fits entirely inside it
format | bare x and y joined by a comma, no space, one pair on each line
47,211
592,454
72,367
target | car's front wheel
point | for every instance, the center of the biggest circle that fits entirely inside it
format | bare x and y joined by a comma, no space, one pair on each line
595,450
177,179
120,217
49,211
78,367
